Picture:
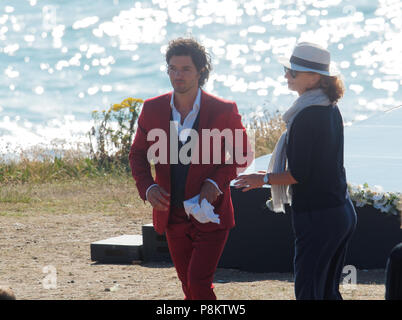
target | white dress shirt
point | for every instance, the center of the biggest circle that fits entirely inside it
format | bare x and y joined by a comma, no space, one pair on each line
183,130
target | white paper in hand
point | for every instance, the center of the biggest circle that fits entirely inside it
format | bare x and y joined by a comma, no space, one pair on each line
204,213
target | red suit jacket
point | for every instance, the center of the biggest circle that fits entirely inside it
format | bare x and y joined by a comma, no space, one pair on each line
215,113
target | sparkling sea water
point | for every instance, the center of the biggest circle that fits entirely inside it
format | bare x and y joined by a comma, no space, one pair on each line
61,60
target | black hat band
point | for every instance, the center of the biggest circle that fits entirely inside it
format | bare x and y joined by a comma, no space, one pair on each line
309,64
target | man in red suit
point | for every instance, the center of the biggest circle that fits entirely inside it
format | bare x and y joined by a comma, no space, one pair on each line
177,126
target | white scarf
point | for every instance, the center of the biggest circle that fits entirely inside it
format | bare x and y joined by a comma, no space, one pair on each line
281,194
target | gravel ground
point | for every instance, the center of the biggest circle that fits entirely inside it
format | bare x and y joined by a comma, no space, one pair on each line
47,256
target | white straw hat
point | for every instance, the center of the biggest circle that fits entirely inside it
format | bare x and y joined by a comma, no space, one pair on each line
311,57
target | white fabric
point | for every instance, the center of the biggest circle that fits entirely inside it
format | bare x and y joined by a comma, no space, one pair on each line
183,130
281,194
202,213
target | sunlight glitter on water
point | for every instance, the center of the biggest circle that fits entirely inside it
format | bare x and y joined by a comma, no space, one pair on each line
137,25
91,54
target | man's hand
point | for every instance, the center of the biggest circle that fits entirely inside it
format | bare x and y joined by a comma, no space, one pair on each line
209,192
157,197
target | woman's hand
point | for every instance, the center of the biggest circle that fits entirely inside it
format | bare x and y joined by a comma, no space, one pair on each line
250,181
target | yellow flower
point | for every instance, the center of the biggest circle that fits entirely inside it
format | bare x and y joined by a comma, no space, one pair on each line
129,100
116,107
132,101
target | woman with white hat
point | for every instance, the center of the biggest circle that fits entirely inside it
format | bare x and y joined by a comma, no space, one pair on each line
306,171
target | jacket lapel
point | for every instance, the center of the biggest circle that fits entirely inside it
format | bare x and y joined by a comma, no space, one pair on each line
204,112
197,155
164,116
164,124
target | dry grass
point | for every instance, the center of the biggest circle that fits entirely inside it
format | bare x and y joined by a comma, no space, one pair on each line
266,131
54,224
105,195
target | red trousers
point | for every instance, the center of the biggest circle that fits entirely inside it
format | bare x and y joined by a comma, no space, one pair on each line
195,255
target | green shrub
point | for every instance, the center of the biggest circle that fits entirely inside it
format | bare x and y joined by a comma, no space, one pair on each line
109,145
112,134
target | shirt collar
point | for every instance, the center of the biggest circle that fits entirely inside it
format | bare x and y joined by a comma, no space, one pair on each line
196,105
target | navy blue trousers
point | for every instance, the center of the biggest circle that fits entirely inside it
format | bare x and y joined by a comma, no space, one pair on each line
321,242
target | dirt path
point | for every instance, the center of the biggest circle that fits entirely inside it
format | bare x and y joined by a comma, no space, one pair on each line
62,241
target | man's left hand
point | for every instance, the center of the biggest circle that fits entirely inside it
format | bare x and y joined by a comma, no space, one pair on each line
209,192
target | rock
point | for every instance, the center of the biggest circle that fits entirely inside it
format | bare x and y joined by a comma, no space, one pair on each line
112,289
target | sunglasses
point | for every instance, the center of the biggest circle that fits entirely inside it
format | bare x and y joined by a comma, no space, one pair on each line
293,73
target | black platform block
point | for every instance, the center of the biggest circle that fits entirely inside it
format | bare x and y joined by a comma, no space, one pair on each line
375,235
122,249
263,241
155,247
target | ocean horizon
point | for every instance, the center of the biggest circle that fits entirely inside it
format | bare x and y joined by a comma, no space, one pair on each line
61,60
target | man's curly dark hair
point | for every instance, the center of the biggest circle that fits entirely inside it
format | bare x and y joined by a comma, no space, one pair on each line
190,47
